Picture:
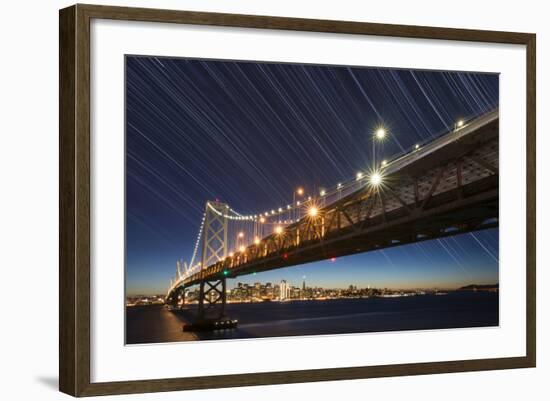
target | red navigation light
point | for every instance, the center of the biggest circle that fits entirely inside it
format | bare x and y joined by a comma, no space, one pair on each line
333,259
285,255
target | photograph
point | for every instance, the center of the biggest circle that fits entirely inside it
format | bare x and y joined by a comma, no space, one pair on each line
267,199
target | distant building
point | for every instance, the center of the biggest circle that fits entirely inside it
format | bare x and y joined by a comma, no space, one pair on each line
284,290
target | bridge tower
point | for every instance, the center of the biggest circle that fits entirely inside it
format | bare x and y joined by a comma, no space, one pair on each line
212,293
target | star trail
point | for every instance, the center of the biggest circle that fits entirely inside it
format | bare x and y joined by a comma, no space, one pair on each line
250,133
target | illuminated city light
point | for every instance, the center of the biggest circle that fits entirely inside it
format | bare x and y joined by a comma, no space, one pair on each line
300,191
460,123
417,146
280,209
230,254
297,203
256,241
241,235
322,192
339,185
358,176
278,230
384,162
262,219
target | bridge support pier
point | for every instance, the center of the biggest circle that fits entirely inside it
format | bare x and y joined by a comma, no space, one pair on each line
211,312
181,298
212,299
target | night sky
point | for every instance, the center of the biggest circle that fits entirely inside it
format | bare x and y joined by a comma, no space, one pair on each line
249,134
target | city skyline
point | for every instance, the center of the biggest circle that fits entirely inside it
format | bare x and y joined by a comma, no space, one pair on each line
264,118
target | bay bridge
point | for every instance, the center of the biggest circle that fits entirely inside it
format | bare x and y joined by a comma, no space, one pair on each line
444,187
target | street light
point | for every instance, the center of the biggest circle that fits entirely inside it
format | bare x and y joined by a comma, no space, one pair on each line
313,211
278,230
380,133
375,179
299,192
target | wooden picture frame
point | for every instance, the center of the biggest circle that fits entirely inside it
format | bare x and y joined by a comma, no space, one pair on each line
74,204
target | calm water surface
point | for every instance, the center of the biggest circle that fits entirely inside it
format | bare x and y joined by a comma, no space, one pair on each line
153,324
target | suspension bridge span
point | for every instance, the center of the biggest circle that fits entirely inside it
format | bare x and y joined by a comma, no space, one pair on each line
441,188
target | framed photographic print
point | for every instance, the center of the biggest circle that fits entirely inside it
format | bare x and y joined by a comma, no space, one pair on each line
237,191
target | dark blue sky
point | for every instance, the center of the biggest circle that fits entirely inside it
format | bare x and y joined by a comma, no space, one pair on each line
250,133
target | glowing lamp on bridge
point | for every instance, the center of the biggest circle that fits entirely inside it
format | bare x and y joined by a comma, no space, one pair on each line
380,133
312,212
262,219
241,235
278,230
384,162
242,249
257,241
358,176
322,192
416,147
375,179
460,123
230,254
300,191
